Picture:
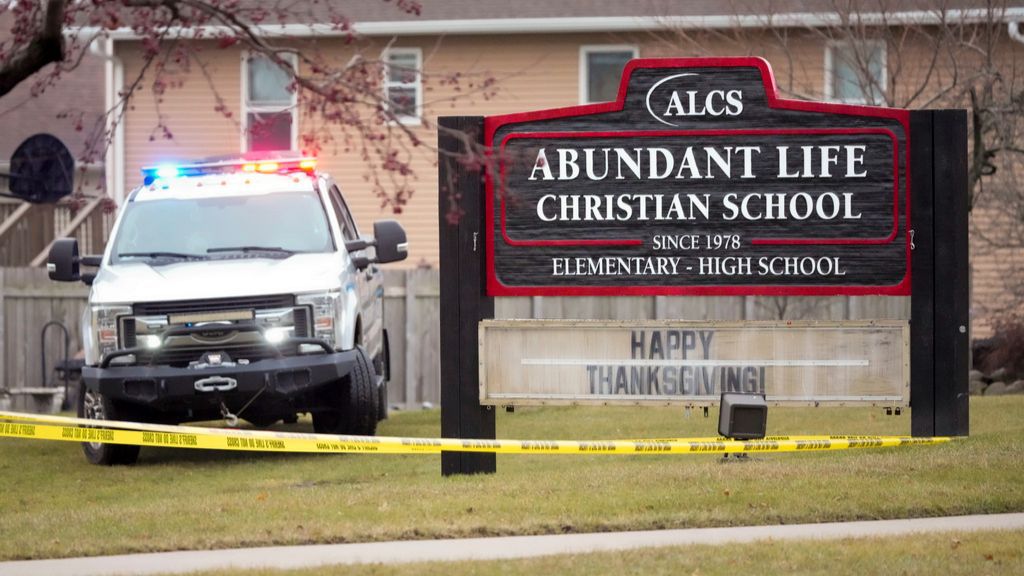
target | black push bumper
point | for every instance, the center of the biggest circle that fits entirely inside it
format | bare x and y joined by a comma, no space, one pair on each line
167,388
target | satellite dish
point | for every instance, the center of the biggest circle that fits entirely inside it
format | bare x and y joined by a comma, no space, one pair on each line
42,170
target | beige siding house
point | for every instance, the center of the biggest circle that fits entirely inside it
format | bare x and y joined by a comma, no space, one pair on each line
543,55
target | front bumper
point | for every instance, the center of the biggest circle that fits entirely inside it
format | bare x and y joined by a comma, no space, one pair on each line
167,388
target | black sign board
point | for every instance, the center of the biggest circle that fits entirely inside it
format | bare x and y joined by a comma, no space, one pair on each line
699,179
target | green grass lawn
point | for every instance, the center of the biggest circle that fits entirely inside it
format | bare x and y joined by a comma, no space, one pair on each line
53,504
947,554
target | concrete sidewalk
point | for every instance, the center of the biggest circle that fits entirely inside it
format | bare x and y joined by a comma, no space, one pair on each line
491,548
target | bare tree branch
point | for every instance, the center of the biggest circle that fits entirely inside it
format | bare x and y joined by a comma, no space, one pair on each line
46,46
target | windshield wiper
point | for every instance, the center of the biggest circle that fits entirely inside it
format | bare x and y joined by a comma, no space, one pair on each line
248,249
160,255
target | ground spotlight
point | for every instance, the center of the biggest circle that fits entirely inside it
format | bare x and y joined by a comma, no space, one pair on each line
742,416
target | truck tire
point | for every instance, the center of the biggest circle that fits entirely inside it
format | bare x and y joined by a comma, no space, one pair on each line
355,403
94,406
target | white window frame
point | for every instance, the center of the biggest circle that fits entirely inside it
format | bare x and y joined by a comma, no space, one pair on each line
246,108
588,49
831,46
386,82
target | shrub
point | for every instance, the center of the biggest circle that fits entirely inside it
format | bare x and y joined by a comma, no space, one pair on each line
1007,347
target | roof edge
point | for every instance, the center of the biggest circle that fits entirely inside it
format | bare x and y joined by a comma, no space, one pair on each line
592,24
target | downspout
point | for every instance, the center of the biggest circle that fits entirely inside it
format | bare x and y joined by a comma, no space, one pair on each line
113,82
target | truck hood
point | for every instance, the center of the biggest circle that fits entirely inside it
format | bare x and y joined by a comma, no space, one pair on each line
133,282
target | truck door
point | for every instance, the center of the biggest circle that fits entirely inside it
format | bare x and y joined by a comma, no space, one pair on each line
369,283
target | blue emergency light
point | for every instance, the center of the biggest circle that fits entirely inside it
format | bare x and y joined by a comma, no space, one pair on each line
166,171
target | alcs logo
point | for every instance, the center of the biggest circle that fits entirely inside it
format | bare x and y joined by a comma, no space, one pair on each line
666,103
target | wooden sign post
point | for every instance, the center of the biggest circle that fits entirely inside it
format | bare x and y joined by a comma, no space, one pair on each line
940,302
700,180
464,302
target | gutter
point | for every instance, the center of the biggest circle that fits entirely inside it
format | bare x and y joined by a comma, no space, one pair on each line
591,24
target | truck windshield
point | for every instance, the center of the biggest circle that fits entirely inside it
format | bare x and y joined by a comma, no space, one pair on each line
269,225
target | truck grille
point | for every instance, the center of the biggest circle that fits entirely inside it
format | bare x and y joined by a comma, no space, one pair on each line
252,351
301,318
214,304
181,357
128,334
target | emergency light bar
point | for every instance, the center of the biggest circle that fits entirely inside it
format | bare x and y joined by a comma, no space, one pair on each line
275,166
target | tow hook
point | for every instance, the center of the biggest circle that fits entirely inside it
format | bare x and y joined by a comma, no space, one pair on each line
230,419
222,383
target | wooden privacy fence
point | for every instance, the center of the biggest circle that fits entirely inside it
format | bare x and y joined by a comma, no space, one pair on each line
28,300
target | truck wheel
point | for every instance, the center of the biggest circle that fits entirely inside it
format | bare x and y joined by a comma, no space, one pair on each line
94,406
355,411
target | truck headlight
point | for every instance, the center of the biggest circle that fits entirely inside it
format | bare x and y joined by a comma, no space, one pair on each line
278,335
151,341
326,308
104,326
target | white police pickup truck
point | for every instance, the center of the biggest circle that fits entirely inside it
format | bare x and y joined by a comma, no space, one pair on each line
234,288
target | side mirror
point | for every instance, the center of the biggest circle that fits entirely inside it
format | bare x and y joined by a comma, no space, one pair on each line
389,237
63,261
64,264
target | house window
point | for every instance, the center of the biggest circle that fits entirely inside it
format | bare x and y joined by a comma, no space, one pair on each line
601,71
855,72
270,106
403,86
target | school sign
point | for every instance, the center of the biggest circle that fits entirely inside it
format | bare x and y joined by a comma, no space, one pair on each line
699,180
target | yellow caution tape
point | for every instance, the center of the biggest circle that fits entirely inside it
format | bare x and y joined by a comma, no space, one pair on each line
39,427
797,437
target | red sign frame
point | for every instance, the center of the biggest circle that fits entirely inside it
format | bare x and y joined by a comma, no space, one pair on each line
493,123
